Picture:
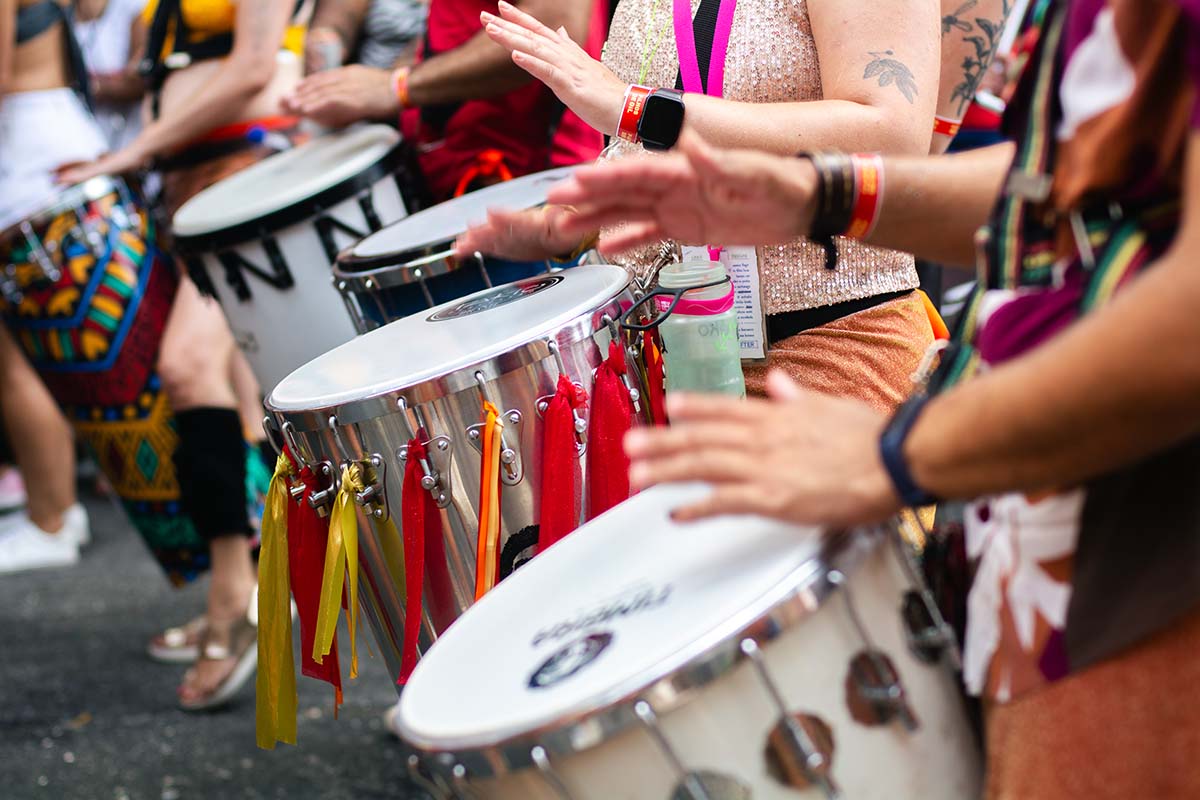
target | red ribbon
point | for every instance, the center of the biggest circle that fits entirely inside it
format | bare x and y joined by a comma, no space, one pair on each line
655,377
307,539
420,524
560,465
612,417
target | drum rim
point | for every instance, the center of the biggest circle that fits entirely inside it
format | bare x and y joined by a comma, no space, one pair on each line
400,274
382,404
300,211
69,198
777,611
352,264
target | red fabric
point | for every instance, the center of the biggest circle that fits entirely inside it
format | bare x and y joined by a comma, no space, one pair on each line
308,534
560,466
979,118
419,515
612,417
655,377
518,124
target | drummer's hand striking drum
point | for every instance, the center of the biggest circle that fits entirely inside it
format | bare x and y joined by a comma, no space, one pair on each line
422,384
262,241
410,266
732,658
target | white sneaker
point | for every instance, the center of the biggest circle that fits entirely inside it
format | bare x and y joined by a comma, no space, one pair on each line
12,490
75,525
25,546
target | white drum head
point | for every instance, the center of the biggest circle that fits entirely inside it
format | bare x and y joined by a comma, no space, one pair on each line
447,338
623,602
448,220
285,179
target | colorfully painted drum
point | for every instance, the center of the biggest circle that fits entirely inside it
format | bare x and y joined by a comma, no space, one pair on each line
409,267
263,241
736,657
425,379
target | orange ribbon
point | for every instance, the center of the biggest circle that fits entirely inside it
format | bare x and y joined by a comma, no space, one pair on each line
488,164
487,548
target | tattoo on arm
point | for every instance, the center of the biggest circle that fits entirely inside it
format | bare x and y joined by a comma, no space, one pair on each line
984,43
890,72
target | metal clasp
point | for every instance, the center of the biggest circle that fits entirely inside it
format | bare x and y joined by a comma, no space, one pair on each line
543,403
373,499
436,472
512,469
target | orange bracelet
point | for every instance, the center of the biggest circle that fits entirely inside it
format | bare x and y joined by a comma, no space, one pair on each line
868,195
400,86
946,127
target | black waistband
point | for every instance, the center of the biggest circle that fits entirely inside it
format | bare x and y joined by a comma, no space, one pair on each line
789,323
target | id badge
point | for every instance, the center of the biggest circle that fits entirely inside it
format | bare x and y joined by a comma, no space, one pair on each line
741,265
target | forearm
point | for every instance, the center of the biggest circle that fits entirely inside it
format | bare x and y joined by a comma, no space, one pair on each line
933,206
343,17
1107,392
217,104
8,38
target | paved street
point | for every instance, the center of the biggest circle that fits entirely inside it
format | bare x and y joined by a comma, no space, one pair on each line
85,715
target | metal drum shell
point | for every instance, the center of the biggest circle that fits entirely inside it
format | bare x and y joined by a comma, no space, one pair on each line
449,405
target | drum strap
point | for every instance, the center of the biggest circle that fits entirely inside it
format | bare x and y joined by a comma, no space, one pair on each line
341,563
487,550
422,537
308,536
612,417
560,465
275,684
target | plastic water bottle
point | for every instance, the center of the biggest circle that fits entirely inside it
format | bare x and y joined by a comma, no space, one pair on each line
700,335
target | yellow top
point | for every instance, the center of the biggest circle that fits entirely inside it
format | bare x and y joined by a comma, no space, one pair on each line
206,18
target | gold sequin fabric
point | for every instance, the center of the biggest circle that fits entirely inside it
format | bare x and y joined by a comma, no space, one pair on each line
772,58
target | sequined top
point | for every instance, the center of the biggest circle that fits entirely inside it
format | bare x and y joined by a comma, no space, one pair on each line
772,58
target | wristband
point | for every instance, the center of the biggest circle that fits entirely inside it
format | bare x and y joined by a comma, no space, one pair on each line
631,113
400,86
891,449
833,201
868,195
946,127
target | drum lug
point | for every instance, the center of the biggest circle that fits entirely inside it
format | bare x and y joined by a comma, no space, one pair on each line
512,469
436,470
322,500
374,498
635,397
930,637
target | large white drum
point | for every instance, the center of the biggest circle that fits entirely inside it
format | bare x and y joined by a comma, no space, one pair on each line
263,241
734,658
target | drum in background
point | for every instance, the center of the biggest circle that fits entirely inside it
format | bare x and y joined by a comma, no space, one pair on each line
410,266
427,377
262,241
86,294
731,658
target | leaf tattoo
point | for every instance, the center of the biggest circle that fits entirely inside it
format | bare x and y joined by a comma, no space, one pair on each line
975,67
890,71
952,21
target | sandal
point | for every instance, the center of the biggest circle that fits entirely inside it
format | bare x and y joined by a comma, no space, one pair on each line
179,645
235,641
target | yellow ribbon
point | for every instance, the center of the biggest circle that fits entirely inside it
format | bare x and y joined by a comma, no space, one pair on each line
393,552
275,685
341,557
489,503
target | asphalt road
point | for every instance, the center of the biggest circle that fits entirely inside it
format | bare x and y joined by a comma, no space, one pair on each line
85,715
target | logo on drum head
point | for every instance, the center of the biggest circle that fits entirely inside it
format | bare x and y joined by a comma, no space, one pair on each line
500,296
570,659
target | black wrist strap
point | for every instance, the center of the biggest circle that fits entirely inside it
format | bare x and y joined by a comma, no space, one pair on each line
834,200
891,449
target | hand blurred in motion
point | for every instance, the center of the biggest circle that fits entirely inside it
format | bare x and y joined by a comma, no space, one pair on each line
323,50
800,456
339,97
582,83
697,195
128,159
532,235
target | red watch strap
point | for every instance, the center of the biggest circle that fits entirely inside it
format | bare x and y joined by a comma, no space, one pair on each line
631,112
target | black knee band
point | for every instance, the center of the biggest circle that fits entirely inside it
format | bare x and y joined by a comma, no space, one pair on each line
211,466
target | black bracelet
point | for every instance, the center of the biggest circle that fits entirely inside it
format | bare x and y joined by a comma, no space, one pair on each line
891,449
834,207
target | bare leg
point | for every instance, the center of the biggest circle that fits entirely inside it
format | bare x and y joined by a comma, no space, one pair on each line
41,439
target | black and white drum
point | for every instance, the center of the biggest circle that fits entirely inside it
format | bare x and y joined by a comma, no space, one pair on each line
427,377
732,658
263,241
410,266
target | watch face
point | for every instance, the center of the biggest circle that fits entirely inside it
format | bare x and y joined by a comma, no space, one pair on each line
661,121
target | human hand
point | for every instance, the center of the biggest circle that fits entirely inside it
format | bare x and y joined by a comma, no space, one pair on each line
531,235
128,159
323,50
800,457
582,83
338,97
698,195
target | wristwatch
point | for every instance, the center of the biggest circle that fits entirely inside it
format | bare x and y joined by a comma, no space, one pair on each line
891,449
661,120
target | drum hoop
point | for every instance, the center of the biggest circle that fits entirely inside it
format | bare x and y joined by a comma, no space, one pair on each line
779,610
364,409
438,258
299,211
70,198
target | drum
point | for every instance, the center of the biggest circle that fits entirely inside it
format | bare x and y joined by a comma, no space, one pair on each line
86,294
730,658
410,267
263,240
425,379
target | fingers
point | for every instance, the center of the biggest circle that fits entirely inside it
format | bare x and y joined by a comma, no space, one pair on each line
782,387
515,15
544,71
713,407
631,237
715,465
595,219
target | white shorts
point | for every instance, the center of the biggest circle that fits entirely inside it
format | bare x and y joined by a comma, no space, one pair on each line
39,132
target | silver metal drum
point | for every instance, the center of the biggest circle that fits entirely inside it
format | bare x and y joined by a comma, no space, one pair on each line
430,373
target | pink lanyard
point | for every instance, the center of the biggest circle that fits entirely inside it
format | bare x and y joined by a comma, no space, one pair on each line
685,42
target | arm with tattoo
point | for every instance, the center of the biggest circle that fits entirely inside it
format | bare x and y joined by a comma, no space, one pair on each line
971,32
